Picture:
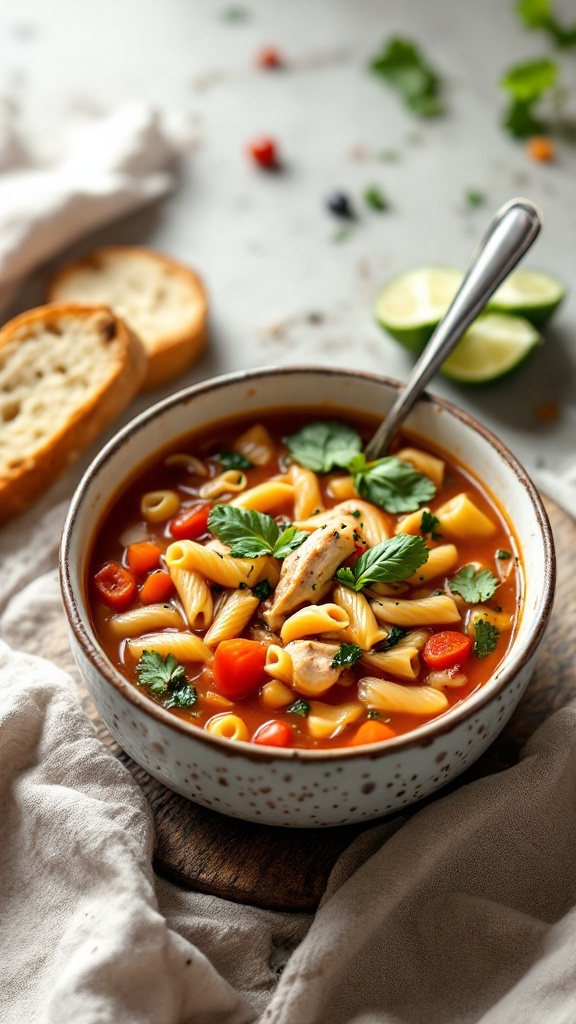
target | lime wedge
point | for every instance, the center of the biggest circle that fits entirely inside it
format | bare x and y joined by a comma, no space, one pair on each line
530,294
495,344
410,306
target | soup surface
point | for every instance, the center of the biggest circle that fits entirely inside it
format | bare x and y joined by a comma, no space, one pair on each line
265,583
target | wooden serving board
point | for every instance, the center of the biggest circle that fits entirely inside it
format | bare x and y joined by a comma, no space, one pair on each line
287,869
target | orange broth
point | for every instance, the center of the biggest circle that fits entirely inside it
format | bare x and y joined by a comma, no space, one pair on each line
123,523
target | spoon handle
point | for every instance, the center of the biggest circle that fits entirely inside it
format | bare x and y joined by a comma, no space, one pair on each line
508,237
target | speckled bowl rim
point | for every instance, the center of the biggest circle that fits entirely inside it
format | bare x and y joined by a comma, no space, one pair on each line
423,735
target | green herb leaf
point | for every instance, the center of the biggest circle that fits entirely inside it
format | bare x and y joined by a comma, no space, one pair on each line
324,445
391,483
347,654
251,534
374,198
288,541
527,83
184,697
474,198
262,590
392,560
429,524
394,637
503,555
486,638
158,673
538,14
475,586
233,460
403,67
299,707
373,714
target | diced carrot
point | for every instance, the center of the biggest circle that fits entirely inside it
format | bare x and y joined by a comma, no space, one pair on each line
239,667
115,585
446,649
191,523
541,149
143,556
371,732
156,588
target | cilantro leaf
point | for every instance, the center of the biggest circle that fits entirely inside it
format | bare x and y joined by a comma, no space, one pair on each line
393,559
394,637
324,445
391,483
474,198
503,555
429,524
403,67
526,84
184,697
233,460
159,674
251,534
486,638
374,198
538,14
299,707
474,585
347,654
262,590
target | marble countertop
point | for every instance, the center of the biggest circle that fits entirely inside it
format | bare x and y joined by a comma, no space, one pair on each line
269,251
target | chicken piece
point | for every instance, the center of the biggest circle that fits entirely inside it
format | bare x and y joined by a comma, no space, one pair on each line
312,670
307,573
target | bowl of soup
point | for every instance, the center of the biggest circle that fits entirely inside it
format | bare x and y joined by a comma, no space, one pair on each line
281,631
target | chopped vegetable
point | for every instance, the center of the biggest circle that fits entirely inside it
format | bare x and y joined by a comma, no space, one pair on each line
474,198
143,556
392,560
234,460
346,655
115,585
475,586
486,638
300,708
503,555
251,534
394,637
191,523
375,199
527,83
274,734
403,67
371,732
446,649
429,524
264,153
339,204
541,149
239,668
391,483
262,590
269,58
156,588
324,445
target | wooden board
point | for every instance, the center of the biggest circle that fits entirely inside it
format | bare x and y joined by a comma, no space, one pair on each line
287,869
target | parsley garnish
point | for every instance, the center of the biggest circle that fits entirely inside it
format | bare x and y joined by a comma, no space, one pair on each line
374,198
324,445
402,65
373,714
262,590
394,637
233,460
527,83
391,483
486,638
393,559
538,14
474,198
160,675
299,707
474,585
429,524
503,555
251,534
346,655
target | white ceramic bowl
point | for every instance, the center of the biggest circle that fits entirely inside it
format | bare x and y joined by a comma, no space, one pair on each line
305,788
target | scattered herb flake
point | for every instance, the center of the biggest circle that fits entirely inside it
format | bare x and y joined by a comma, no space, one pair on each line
262,590
429,525
391,483
486,638
403,67
233,460
503,555
346,655
394,559
394,637
538,14
375,199
299,707
527,83
388,156
159,674
184,697
235,14
474,198
324,445
475,586
373,714
341,235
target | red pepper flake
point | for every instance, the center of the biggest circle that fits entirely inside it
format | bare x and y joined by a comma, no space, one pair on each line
269,58
264,152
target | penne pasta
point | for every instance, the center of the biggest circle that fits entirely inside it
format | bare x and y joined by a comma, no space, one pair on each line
314,619
363,628
342,488
440,561
256,445
195,596
233,615
184,646
307,495
402,660
325,721
384,695
265,497
426,611
424,462
146,618
222,569
232,481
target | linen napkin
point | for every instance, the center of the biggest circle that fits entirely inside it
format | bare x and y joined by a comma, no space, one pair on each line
104,167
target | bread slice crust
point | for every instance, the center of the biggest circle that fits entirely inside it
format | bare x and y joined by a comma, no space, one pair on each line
162,300
66,372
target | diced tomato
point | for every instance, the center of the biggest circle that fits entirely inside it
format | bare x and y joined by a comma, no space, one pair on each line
269,58
156,588
371,732
274,734
239,667
143,556
191,523
115,585
446,649
263,151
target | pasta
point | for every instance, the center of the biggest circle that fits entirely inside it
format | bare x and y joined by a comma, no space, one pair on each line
336,610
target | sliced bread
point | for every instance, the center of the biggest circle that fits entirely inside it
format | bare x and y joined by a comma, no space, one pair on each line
163,301
66,371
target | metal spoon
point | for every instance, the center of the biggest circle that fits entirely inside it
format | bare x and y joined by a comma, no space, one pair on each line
509,236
